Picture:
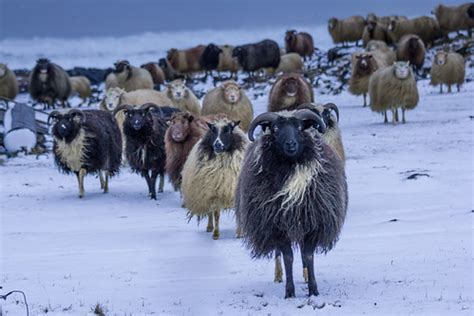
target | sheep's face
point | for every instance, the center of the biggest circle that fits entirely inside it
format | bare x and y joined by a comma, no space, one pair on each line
372,45
470,12
221,136
332,23
178,90
371,17
440,58
238,52
172,53
163,63
231,93
371,25
289,35
402,69
42,68
180,125
287,136
137,119
3,70
122,66
112,98
66,126
290,86
364,62
392,26
212,48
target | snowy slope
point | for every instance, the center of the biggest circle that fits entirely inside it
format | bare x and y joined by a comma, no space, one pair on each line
406,247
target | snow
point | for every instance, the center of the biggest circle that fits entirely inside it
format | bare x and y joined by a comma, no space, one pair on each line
406,246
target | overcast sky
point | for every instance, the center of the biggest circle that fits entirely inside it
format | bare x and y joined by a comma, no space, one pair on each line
79,18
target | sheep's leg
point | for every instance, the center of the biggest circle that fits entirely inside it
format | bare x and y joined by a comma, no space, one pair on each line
151,192
162,183
440,88
106,183
215,234
449,88
238,233
459,87
394,116
80,178
154,176
308,258
278,267
210,223
101,179
305,267
365,99
403,115
288,259
385,119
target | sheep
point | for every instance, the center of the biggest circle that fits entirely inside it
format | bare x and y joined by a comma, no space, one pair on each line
170,73
144,131
346,30
289,91
81,86
183,133
393,87
425,27
182,97
332,135
230,99
209,59
448,69
226,61
156,73
455,18
301,43
374,30
411,48
131,78
291,62
387,53
384,20
292,190
364,64
252,57
48,83
8,83
86,142
209,176
186,61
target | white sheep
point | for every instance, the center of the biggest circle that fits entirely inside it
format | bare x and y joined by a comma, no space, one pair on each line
182,97
448,69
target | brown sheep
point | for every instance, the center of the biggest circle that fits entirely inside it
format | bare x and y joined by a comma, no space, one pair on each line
448,69
229,99
291,62
289,91
374,30
411,48
156,73
183,133
186,61
346,30
226,61
301,43
81,86
384,20
363,66
455,18
8,83
425,27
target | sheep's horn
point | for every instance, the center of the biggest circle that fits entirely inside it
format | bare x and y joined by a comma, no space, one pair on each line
262,118
310,115
148,106
122,107
307,105
75,112
53,115
334,107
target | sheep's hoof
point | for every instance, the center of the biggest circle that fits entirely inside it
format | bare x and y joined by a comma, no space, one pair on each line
290,292
160,191
313,289
278,279
152,196
81,196
215,235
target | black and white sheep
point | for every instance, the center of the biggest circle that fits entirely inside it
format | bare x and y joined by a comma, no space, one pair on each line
209,175
291,191
86,142
252,57
144,129
49,83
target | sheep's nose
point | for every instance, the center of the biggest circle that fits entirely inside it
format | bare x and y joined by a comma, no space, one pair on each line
290,145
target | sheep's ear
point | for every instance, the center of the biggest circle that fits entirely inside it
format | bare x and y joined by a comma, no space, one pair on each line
235,123
408,63
209,125
168,122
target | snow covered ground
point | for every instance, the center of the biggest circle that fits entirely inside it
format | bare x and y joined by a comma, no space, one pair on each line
406,247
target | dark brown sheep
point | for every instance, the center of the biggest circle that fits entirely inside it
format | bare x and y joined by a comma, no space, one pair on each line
289,91
301,43
156,73
187,60
411,48
184,131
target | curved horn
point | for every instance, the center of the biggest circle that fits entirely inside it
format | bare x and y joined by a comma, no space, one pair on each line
310,115
53,115
148,106
264,117
122,107
334,107
308,106
75,112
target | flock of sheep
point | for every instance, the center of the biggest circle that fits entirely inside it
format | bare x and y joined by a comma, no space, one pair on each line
287,185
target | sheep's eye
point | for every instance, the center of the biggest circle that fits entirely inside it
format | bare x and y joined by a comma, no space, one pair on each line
129,114
300,128
275,129
143,114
